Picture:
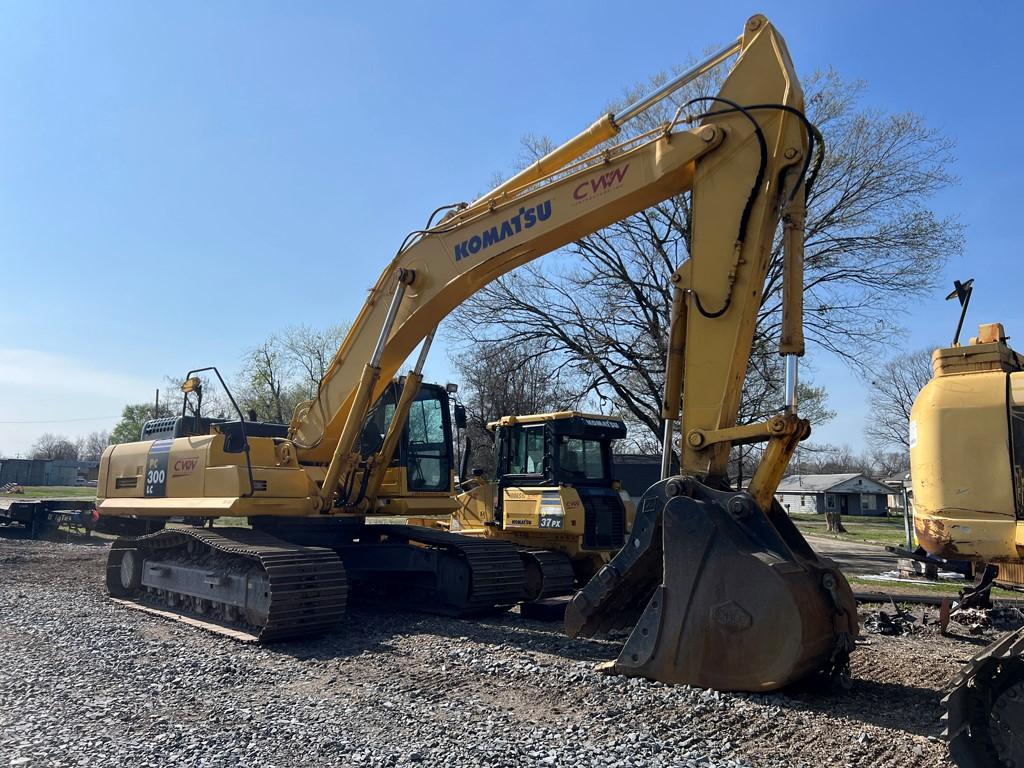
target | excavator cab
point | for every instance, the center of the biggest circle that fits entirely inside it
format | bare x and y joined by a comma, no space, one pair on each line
423,461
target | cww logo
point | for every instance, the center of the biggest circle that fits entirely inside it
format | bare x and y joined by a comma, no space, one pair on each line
185,466
599,184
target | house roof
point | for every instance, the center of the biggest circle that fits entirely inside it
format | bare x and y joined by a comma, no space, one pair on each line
852,482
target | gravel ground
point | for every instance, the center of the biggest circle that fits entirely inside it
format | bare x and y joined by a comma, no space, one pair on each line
84,682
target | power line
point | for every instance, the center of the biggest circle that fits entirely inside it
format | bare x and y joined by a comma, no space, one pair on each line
62,421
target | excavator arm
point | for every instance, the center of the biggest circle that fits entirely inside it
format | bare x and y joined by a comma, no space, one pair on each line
745,167
472,248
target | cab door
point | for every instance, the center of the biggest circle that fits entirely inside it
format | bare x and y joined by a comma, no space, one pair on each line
524,461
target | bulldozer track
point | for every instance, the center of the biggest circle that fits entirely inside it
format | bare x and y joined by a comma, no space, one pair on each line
496,573
984,706
307,589
554,570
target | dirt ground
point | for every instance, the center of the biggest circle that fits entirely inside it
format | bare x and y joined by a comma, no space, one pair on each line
86,682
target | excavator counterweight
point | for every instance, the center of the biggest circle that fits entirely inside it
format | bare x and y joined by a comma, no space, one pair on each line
966,437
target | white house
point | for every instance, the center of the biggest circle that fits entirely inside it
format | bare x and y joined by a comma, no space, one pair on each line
850,493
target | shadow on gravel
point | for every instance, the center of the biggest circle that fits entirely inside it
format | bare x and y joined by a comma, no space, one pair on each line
368,629
913,709
530,635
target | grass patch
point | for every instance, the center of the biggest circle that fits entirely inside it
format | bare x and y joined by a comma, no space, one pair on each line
53,491
883,531
897,588
903,588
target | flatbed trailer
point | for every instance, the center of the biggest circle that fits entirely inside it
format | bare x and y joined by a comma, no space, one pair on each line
41,515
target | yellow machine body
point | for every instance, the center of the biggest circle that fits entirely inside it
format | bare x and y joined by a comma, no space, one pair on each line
196,477
967,469
968,490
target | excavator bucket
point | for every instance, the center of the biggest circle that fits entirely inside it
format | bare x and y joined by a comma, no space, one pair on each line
719,594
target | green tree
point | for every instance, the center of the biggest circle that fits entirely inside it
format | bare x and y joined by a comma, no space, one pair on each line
129,428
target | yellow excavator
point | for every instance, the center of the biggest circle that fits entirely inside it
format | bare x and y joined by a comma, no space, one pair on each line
967,470
720,588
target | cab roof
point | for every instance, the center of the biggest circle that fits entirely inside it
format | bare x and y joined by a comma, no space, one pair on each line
569,422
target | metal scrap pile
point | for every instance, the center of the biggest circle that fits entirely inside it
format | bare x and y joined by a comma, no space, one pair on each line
977,620
882,623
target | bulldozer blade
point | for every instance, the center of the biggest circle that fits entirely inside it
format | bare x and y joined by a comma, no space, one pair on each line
719,594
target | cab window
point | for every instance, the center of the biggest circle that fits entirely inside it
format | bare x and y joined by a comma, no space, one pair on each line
527,456
371,440
580,459
428,460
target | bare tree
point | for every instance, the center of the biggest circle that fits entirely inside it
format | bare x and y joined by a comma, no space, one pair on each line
50,446
601,307
311,351
286,369
91,446
889,463
507,380
215,401
267,385
893,390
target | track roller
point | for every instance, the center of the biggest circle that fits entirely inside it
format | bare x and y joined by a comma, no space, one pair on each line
233,581
548,574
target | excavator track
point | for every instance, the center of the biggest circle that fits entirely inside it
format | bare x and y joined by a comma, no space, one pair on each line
490,574
548,574
233,581
985,707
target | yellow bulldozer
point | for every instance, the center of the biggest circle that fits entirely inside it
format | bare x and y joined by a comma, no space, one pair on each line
554,496
718,586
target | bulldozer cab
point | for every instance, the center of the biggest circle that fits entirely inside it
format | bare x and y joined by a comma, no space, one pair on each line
565,448
555,450
553,496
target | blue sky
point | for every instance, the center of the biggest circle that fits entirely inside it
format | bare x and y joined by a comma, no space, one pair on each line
177,181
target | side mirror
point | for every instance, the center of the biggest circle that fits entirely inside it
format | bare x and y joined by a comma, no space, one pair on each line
460,416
